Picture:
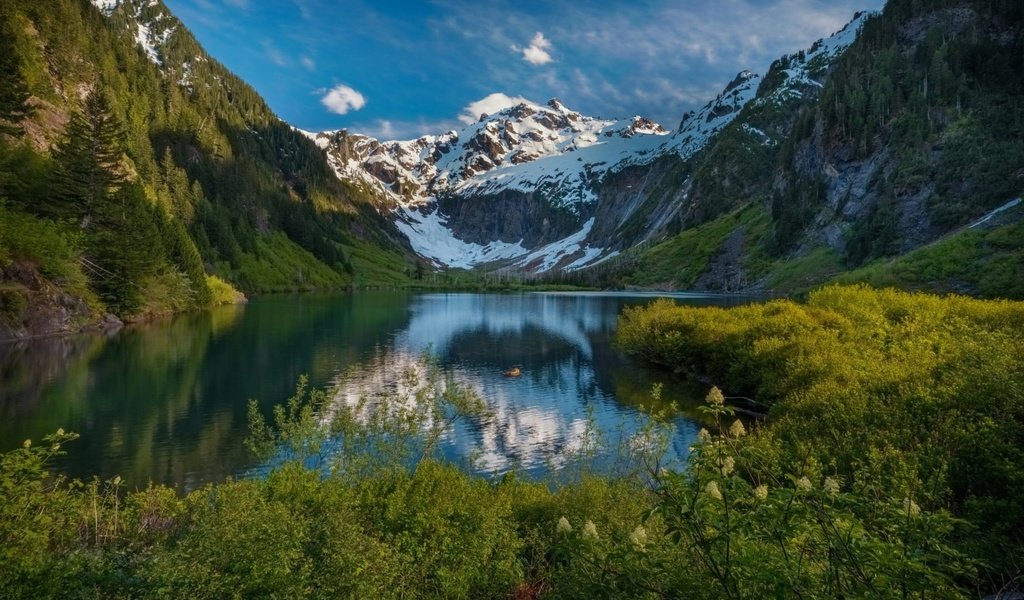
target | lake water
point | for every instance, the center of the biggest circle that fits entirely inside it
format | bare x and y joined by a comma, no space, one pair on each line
167,402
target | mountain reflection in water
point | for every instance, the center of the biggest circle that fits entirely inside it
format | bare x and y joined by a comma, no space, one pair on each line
167,402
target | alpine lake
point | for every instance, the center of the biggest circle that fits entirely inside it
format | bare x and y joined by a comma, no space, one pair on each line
167,402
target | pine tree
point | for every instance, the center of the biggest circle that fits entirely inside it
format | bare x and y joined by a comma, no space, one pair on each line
14,93
126,248
88,162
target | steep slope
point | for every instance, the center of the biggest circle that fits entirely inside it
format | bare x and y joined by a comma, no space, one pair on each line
908,136
537,160
541,187
251,200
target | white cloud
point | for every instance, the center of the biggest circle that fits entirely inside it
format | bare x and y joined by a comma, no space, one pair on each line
341,99
308,62
488,105
537,52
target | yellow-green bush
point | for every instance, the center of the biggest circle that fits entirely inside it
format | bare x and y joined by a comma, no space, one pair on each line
222,292
894,390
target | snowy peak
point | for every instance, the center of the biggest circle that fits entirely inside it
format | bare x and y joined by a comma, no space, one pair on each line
107,7
546,151
793,74
698,127
148,21
507,149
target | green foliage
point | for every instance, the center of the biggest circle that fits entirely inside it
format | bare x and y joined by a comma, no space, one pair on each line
14,93
890,390
222,293
730,528
51,246
88,160
989,264
217,181
125,249
681,260
803,271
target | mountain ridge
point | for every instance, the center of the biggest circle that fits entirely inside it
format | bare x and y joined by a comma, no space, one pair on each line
547,158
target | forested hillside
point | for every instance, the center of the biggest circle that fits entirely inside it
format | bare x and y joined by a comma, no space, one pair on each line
140,180
913,133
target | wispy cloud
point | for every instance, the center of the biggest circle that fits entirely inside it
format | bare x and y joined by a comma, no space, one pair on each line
398,129
421,63
537,53
658,59
342,99
274,54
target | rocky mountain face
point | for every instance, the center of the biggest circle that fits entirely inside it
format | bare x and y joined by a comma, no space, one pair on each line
537,187
856,158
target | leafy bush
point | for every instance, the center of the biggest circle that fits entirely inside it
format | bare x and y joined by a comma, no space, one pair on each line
893,417
221,292
890,390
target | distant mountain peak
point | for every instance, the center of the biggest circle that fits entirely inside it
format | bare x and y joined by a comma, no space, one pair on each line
532,150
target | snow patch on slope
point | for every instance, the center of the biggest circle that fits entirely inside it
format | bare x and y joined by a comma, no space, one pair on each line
548,256
431,239
547,150
149,33
107,7
805,68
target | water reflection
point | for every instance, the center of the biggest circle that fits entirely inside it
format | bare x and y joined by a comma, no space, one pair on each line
167,402
536,421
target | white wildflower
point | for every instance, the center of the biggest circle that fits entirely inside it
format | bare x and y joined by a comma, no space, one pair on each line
638,537
590,530
563,526
726,466
712,489
704,435
804,484
715,397
831,486
761,492
737,429
911,507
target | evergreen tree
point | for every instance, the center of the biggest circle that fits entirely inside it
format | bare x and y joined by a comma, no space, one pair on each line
183,252
125,248
14,93
88,162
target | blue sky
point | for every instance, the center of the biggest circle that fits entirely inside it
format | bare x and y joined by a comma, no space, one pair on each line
398,69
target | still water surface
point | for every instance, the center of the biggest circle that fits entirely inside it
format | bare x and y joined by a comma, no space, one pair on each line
167,402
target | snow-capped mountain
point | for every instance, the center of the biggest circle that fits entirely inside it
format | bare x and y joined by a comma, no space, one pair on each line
153,27
152,24
461,196
528,149
503,150
522,185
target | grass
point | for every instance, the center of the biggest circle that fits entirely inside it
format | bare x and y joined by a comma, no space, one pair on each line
681,260
803,272
46,247
989,264
281,265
